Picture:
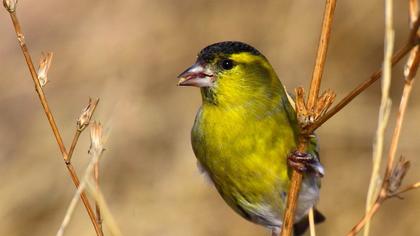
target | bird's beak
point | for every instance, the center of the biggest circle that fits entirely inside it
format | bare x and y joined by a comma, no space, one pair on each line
197,76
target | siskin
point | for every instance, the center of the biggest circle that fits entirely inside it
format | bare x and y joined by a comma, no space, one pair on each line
244,133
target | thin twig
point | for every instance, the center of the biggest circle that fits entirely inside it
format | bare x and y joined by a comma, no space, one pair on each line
366,217
96,150
378,203
296,177
408,188
73,144
322,53
384,111
401,53
88,173
391,187
408,86
410,71
82,122
97,207
105,211
70,209
21,38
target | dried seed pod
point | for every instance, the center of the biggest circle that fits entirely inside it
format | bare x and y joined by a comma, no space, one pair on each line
86,115
10,5
44,66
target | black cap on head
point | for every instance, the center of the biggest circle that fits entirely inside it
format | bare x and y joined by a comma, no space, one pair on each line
227,48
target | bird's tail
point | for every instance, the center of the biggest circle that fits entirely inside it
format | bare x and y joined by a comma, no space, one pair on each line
301,226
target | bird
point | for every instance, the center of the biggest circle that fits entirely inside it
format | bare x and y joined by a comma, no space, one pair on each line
246,132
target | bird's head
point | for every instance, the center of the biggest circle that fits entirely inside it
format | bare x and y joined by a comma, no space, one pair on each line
231,73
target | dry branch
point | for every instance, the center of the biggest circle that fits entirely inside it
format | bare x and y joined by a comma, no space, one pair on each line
385,194
394,174
81,124
384,111
412,41
313,102
96,152
312,124
97,207
10,6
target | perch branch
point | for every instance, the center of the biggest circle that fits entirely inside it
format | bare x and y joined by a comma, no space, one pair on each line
312,106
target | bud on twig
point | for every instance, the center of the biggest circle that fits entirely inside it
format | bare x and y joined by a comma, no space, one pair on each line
44,66
397,176
10,5
86,114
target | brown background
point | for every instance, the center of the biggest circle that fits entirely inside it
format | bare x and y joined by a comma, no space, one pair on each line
129,53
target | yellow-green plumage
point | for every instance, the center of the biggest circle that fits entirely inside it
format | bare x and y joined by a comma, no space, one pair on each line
243,133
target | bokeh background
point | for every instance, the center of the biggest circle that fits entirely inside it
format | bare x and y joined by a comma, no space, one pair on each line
129,53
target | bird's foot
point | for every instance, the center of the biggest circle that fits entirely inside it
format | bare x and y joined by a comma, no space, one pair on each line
305,163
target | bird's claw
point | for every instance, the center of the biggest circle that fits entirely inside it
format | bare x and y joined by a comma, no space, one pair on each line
305,163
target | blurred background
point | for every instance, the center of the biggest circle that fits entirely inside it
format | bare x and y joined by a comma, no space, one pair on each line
129,53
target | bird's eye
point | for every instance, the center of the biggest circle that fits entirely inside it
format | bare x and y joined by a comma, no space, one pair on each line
227,64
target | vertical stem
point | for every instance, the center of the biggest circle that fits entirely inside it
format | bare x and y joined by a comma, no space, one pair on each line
289,216
292,196
322,53
384,111
296,177
394,142
97,208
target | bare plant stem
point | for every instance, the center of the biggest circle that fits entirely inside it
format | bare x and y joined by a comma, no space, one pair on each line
384,195
97,208
82,122
288,219
384,111
412,42
367,217
408,188
322,53
21,38
88,174
296,177
378,203
394,143
73,145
